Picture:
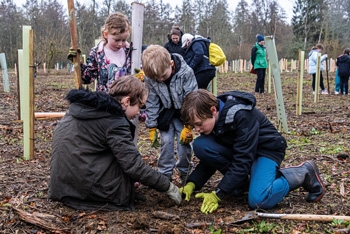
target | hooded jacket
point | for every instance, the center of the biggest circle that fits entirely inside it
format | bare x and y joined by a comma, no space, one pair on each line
197,55
258,56
313,61
162,95
343,64
94,161
249,133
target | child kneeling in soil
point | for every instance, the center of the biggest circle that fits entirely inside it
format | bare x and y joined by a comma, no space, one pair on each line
94,161
240,142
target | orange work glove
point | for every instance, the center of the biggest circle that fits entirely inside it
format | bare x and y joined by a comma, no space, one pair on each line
139,74
153,136
186,135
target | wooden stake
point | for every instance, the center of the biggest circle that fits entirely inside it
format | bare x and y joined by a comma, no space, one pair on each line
74,41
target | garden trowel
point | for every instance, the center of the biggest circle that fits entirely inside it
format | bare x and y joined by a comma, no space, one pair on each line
305,217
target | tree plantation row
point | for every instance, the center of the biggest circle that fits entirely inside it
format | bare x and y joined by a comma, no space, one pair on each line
313,21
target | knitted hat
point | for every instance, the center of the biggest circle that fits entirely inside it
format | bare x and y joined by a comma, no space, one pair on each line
186,37
260,38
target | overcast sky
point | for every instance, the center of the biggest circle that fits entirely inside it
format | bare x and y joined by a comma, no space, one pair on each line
287,5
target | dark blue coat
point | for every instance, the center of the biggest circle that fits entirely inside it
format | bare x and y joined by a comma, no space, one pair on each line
343,63
250,134
197,55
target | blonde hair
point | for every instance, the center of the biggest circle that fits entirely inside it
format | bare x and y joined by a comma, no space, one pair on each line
198,104
129,86
115,24
155,60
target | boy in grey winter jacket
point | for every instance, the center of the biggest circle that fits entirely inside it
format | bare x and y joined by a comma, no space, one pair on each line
169,79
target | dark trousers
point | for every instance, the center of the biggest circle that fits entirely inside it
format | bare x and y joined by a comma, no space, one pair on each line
204,77
314,80
344,84
260,80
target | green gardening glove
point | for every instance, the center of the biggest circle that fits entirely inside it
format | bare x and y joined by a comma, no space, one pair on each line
153,137
210,202
188,190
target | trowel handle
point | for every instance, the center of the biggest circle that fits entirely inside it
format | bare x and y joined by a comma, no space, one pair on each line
306,217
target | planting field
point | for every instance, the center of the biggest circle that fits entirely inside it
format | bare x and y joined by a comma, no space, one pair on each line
321,133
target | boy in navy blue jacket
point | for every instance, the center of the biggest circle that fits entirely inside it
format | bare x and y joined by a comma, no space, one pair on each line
240,142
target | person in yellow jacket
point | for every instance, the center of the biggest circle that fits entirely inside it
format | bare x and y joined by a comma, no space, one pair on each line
169,80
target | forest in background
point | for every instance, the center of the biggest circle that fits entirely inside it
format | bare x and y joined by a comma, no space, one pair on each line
313,21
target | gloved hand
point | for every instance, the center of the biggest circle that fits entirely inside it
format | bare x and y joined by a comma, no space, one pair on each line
210,202
72,53
186,135
139,74
174,193
153,136
188,190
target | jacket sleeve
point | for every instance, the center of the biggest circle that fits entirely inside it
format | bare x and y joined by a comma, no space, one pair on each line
152,106
89,72
199,53
313,56
190,83
244,150
201,175
120,141
253,55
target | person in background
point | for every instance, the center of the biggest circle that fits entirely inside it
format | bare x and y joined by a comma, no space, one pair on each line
343,64
111,57
197,57
312,67
169,79
174,44
259,62
94,162
240,142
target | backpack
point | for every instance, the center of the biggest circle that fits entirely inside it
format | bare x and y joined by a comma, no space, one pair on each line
216,55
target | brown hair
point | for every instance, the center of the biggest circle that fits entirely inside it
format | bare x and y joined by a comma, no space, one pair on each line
116,23
175,31
198,104
155,60
319,46
347,51
129,86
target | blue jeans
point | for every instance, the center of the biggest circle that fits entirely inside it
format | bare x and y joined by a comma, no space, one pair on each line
337,81
267,187
166,161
